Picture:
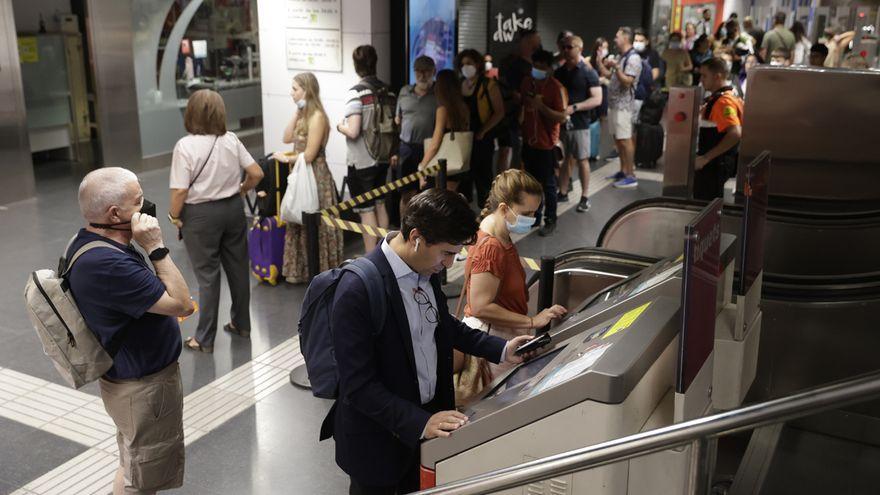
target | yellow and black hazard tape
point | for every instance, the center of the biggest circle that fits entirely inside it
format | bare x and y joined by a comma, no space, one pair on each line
380,191
362,229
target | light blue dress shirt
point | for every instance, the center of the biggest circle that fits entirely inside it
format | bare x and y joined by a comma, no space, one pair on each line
422,330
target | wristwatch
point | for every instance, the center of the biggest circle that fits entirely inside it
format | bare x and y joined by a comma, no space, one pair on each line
159,253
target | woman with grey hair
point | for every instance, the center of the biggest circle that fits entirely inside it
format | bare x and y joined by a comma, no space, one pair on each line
207,207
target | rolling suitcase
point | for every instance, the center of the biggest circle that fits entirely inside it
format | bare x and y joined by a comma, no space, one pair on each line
266,249
649,145
266,237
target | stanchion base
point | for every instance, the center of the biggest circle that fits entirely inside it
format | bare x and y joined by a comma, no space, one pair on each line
452,289
299,377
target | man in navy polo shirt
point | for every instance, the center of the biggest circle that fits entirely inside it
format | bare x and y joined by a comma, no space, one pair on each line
133,312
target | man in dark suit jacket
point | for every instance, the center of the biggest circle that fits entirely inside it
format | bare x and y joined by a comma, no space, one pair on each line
395,383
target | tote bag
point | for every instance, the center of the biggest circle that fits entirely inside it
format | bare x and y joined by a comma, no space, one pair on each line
455,149
302,192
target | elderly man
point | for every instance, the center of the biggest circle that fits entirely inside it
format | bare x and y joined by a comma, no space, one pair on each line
133,313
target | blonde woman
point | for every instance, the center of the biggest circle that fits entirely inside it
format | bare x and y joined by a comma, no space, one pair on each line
207,208
495,292
308,131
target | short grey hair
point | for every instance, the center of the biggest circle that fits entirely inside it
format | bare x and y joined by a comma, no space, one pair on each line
100,189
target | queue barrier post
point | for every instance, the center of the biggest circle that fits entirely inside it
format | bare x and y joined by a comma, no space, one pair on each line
311,221
545,285
441,174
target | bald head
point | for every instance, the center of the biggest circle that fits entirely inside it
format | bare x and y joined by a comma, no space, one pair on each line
102,189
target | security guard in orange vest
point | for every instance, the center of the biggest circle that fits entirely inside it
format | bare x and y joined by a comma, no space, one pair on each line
720,132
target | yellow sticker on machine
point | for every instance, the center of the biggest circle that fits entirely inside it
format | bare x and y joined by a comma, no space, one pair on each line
28,50
626,320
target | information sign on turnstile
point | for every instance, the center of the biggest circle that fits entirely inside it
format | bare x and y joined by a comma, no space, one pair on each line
699,291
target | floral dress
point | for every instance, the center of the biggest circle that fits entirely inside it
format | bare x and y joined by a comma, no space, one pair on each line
295,268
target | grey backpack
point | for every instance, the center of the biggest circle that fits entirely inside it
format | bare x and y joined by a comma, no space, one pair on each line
70,344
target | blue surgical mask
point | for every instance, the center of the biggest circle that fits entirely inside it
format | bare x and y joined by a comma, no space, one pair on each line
522,225
539,74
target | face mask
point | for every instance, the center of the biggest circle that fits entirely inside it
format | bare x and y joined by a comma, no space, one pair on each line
147,208
729,65
775,63
522,225
639,46
468,71
488,66
602,54
674,45
301,103
539,74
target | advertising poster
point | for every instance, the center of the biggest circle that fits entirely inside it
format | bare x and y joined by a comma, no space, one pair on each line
506,19
432,33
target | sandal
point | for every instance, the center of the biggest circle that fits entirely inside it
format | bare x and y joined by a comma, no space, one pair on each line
191,344
231,329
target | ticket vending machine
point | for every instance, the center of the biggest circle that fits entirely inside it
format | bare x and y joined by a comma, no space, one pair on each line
630,359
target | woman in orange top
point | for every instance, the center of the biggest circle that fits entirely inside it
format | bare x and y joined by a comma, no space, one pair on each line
495,286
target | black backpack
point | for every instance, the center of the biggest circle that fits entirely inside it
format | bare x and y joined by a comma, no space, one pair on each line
646,80
274,184
652,109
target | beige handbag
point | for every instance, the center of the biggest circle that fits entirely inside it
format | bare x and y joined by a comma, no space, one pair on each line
455,149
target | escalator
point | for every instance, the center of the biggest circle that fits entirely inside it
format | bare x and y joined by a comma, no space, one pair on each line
583,272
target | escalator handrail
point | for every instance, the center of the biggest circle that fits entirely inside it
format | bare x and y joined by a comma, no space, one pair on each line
806,403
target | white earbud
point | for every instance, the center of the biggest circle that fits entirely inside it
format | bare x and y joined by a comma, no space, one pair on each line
417,244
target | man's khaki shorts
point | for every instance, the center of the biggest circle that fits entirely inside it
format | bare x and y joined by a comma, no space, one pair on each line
148,413
621,122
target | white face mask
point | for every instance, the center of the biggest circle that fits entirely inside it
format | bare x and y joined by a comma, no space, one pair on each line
602,53
488,66
468,71
776,63
639,46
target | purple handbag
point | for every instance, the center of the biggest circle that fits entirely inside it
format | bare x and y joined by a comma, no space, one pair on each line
266,249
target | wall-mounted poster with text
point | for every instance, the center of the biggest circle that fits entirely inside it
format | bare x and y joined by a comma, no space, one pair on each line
506,19
314,35
431,32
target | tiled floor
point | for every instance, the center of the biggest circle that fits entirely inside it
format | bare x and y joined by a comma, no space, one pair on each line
248,430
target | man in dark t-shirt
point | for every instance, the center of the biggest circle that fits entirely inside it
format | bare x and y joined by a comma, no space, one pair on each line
133,312
584,95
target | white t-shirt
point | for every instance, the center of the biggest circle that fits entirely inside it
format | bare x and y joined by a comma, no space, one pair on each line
221,176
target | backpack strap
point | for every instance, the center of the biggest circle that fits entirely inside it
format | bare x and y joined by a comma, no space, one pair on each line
368,272
81,251
116,341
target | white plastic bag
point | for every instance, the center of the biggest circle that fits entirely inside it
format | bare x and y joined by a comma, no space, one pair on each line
302,192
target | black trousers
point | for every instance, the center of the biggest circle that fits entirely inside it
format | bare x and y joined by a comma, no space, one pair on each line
481,173
409,484
541,164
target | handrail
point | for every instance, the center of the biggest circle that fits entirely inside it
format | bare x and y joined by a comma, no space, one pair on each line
801,404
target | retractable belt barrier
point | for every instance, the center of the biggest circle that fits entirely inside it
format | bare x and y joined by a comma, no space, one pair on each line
380,191
362,229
